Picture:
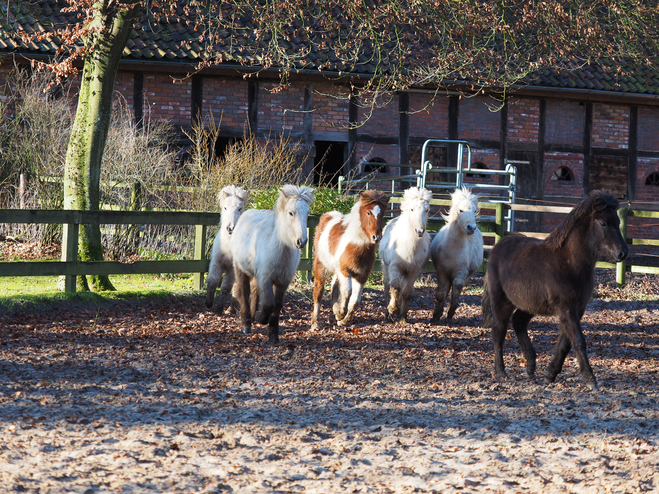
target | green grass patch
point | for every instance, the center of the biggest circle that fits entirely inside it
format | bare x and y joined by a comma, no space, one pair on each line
40,293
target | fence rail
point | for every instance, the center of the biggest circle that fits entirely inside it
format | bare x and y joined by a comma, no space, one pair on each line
491,225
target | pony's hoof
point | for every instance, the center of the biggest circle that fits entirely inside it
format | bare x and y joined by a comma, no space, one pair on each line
435,320
550,379
593,386
315,327
343,322
247,330
273,339
392,318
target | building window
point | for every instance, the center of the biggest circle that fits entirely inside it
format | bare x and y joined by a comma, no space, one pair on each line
479,166
563,174
653,179
374,165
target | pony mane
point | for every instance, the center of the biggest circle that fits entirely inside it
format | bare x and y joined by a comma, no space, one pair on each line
290,191
232,190
598,201
414,193
369,197
458,196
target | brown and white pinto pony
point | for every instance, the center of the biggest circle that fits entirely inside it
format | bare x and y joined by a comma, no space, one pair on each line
345,247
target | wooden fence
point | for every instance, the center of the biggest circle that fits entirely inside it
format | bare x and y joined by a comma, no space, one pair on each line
492,225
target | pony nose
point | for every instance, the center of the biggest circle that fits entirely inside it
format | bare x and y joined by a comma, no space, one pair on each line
376,238
230,228
420,232
301,242
470,229
622,255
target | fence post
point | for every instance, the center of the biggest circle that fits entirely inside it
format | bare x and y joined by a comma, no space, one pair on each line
70,233
199,254
305,275
621,267
500,228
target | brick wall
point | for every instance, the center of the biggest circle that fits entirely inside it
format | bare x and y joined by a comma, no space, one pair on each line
564,122
167,99
226,100
477,121
379,117
523,120
123,87
330,108
648,129
388,153
610,126
488,157
281,110
645,167
428,116
558,188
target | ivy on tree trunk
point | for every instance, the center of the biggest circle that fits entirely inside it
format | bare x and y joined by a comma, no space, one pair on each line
105,43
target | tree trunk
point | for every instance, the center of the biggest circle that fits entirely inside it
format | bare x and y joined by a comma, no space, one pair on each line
105,43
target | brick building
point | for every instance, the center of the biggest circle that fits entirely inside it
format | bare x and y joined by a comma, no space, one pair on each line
581,131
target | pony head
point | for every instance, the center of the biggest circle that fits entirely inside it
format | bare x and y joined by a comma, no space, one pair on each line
600,213
464,208
232,204
372,206
292,210
415,205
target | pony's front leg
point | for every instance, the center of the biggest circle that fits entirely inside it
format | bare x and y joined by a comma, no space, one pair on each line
571,326
267,301
394,303
212,281
318,289
273,322
242,289
406,295
340,294
225,290
456,289
253,297
561,350
440,297
355,297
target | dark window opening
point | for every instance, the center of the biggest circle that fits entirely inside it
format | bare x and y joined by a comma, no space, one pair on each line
479,166
222,145
653,179
374,165
563,174
328,162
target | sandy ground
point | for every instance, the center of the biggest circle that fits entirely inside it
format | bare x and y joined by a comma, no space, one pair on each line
167,397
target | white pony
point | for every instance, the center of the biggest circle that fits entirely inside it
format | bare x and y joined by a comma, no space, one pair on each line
404,250
266,252
232,204
456,250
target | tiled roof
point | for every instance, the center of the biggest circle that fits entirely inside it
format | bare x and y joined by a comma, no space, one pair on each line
178,42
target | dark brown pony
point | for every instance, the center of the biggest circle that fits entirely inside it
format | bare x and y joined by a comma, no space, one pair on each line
555,276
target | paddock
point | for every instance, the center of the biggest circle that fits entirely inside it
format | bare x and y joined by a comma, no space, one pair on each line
154,396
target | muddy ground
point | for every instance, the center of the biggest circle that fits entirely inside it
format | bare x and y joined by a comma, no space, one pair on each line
164,396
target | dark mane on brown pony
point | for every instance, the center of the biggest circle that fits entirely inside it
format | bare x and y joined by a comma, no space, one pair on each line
598,201
369,197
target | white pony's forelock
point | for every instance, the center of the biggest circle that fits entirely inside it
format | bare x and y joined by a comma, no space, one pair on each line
414,193
232,190
300,192
459,196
